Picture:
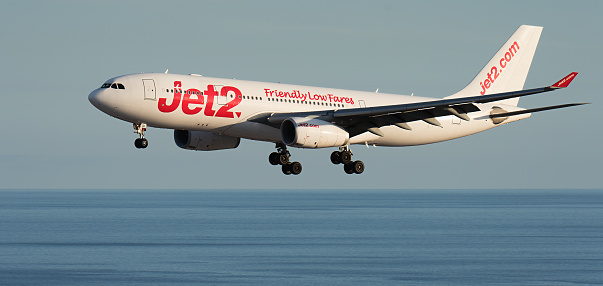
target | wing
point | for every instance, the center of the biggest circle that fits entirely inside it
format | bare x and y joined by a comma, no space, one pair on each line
360,120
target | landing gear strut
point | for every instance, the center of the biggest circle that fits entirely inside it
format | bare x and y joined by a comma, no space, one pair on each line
344,156
281,157
141,142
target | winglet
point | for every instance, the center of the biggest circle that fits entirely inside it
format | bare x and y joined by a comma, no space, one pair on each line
565,81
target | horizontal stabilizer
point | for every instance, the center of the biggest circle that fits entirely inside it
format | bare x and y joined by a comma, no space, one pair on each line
507,114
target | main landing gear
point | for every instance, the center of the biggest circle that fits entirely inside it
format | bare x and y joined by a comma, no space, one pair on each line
281,157
141,142
344,156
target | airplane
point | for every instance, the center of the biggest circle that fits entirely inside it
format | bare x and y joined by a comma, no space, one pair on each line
214,114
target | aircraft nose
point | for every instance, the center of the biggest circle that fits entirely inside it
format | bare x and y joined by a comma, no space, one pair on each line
100,99
93,97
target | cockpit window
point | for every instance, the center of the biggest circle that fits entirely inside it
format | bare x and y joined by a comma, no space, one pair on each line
113,85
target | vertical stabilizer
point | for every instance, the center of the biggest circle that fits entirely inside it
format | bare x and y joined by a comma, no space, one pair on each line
508,69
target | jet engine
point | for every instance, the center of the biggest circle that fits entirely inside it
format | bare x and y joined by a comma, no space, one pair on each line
204,141
312,133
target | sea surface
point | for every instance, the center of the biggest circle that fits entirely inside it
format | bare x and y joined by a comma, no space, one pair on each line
301,237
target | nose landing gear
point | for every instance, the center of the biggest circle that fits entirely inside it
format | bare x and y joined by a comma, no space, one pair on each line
344,156
281,157
141,142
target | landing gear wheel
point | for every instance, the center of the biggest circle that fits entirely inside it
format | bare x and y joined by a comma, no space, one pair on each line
144,143
141,143
348,168
286,169
357,167
273,158
345,157
295,168
283,159
336,157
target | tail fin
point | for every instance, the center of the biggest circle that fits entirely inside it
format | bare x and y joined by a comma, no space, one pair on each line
508,69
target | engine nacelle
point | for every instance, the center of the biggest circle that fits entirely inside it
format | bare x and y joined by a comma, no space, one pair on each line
204,141
312,133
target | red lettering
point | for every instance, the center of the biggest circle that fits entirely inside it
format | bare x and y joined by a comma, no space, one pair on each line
224,110
161,104
211,94
187,100
494,71
513,49
192,100
490,76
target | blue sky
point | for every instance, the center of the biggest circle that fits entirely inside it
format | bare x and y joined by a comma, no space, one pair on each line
55,52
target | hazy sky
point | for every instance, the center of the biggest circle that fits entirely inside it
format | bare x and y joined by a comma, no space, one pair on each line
55,52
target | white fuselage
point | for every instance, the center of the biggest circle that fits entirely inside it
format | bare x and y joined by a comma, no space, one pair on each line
223,106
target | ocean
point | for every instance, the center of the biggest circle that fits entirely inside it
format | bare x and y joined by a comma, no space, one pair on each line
301,237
